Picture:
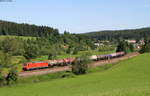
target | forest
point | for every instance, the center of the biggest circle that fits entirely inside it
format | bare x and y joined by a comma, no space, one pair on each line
119,34
11,28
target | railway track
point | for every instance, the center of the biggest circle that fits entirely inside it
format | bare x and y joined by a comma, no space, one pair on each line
65,68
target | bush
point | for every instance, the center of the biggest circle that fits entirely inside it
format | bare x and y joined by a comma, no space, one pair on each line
52,56
2,80
11,77
80,66
75,51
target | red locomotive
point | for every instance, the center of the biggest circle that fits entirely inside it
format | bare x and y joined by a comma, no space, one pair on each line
35,65
48,63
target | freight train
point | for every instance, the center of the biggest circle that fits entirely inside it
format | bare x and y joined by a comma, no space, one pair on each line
67,61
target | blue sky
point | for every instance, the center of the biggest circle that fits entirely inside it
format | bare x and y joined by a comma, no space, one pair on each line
78,16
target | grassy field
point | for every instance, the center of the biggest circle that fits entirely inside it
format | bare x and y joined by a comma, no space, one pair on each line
22,37
128,78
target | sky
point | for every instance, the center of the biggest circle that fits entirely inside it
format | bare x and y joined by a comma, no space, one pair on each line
79,16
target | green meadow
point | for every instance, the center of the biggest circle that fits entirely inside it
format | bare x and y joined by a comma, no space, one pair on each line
21,37
127,78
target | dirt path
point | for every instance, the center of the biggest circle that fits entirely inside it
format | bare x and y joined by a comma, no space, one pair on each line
65,68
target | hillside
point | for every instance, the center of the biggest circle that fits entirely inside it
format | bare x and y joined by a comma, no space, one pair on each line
117,34
12,28
128,78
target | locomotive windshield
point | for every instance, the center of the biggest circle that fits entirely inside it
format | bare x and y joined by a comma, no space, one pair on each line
24,64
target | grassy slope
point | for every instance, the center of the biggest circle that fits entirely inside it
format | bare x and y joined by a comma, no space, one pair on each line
129,78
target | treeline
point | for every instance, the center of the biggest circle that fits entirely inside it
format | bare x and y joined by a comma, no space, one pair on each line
119,34
11,28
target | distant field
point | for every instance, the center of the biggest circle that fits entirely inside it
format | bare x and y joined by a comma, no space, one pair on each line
93,52
128,78
23,37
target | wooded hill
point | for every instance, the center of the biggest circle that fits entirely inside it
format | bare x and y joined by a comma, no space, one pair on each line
17,40
11,28
119,34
